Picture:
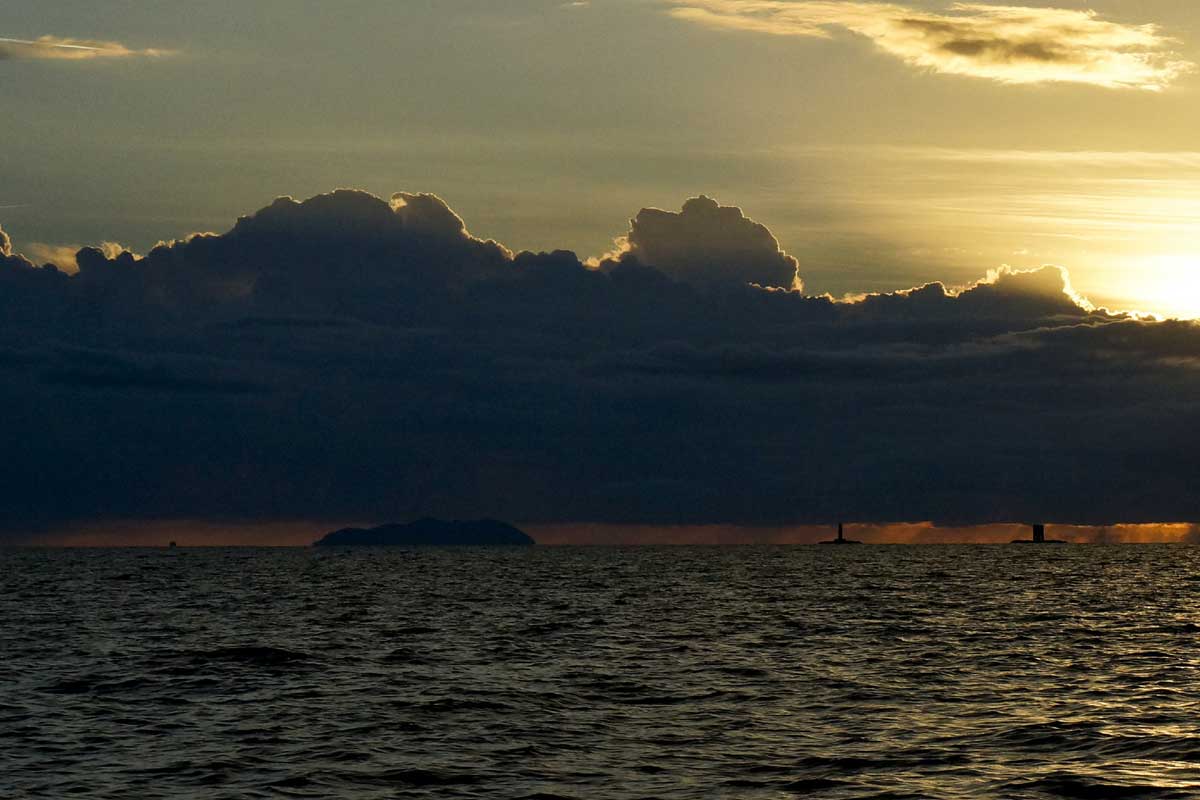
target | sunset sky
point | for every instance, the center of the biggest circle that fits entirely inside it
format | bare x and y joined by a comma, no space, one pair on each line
757,264
885,144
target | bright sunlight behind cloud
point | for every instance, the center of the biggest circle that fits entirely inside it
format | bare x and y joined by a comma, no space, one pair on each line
1009,44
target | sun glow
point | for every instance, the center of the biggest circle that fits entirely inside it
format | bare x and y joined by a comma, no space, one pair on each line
1166,284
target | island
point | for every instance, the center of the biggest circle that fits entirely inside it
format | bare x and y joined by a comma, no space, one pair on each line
431,533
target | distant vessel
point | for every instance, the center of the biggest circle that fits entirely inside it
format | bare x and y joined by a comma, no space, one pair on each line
841,538
1039,537
172,544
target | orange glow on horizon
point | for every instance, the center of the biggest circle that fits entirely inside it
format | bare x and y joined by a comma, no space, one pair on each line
302,533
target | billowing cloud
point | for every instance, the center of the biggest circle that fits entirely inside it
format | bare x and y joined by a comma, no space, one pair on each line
9,260
708,244
57,47
62,256
1009,44
323,254
350,358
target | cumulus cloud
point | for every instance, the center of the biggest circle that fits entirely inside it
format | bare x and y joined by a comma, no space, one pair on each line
62,256
9,260
349,358
428,213
324,254
67,49
707,244
1009,44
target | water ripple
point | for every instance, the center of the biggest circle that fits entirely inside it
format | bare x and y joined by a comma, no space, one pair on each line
880,672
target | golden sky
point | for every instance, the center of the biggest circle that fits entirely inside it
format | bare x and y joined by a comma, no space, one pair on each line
884,143
1043,153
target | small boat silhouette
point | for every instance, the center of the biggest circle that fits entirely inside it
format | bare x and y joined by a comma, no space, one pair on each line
841,538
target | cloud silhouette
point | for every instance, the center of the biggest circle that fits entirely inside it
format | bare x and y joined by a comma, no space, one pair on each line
66,49
329,254
354,358
707,244
9,260
1009,44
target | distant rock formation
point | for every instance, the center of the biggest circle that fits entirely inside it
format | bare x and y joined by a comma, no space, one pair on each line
431,532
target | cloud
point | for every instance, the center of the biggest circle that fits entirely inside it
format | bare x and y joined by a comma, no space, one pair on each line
84,368
62,256
327,253
8,260
1004,293
351,358
1009,44
707,244
66,49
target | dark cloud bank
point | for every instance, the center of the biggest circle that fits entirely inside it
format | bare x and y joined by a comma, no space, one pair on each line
347,358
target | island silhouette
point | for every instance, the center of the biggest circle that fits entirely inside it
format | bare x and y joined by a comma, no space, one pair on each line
430,532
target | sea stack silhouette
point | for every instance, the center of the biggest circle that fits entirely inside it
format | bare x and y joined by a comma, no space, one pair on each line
431,533
1039,537
841,538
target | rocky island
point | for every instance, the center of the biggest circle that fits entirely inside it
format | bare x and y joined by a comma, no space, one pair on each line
431,533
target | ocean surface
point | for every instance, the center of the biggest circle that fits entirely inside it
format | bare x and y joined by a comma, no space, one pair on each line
674,672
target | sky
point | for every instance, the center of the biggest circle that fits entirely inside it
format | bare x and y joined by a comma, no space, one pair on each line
549,124
910,261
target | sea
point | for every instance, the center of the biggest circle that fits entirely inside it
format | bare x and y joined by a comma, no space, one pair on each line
594,672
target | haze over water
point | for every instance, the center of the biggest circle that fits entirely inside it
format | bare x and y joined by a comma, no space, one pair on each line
925,671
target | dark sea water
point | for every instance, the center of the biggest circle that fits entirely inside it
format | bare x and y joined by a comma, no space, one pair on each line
742,672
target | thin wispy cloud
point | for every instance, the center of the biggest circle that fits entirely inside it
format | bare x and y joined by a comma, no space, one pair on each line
55,47
1189,159
1009,44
